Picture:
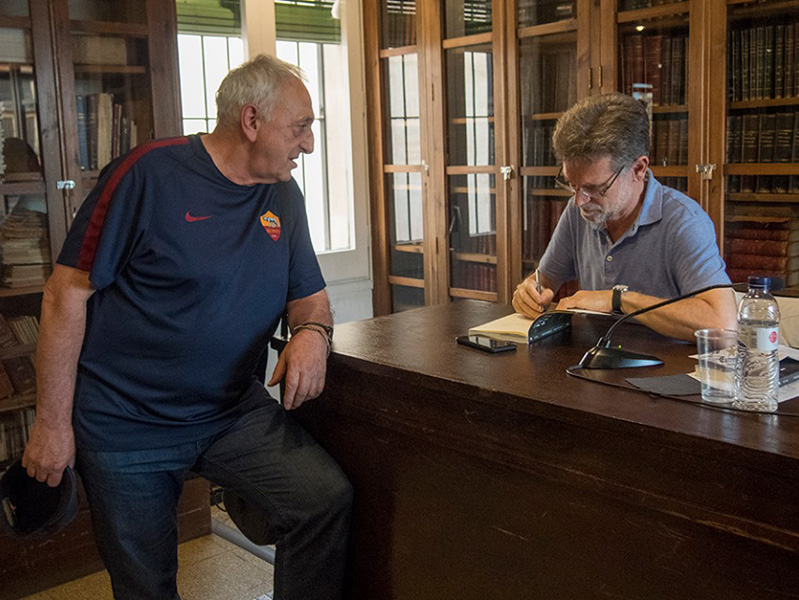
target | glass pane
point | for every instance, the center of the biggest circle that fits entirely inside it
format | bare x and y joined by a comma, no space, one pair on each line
669,145
192,90
656,57
472,211
537,12
470,104
14,8
548,73
129,11
634,4
24,236
405,298
467,17
399,23
762,138
112,97
544,203
337,128
407,224
403,144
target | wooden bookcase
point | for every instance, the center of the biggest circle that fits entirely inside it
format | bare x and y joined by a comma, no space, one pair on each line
57,56
490,79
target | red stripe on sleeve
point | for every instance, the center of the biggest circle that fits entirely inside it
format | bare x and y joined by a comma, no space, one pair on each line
91,237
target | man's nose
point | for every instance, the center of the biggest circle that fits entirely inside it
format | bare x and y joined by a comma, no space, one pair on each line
306,145
581,198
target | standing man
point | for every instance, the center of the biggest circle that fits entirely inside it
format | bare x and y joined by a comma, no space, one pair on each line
630,241
171,281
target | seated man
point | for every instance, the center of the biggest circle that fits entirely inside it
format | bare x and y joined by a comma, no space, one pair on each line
630,241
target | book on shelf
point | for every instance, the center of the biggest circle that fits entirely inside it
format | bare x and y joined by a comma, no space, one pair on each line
15,430
2,145
24,248
736,245
762,245
106,129
654,59
763,62
21,373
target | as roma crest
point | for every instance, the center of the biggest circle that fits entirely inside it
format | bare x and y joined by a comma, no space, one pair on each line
271,222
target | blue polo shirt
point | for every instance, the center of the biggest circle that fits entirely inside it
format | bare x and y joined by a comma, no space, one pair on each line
193,273
669,250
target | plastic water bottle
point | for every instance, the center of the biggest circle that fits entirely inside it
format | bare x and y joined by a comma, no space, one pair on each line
758,363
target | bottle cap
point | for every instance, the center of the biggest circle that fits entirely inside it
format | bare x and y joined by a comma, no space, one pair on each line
759,281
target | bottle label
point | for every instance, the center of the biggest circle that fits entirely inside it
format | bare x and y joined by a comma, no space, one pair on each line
762,339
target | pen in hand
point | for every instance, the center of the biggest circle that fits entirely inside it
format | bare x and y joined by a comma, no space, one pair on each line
537,282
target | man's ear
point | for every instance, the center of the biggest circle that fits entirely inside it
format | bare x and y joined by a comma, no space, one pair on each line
250,121
640,166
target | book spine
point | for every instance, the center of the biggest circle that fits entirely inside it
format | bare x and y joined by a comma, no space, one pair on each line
733,245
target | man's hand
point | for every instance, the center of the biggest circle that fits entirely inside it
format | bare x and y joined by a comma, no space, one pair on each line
599,301
303,362
527,300
49,451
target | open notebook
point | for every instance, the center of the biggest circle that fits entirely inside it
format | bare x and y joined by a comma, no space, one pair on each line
516,327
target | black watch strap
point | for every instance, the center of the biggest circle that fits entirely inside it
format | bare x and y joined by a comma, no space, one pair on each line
618,290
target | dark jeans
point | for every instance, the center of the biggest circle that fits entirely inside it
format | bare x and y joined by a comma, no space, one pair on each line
267,459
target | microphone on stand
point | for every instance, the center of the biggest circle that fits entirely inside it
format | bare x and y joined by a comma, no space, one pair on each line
605,356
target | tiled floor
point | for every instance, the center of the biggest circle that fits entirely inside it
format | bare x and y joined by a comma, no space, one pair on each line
210,569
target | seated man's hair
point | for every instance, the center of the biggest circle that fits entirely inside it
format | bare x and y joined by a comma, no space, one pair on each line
259,81
612,125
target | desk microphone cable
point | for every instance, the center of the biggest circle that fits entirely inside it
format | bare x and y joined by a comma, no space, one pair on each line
574,371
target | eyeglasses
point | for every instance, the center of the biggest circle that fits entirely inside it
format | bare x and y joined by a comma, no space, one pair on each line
590,192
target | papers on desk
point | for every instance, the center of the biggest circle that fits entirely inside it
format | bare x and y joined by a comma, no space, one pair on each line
514,327
786,392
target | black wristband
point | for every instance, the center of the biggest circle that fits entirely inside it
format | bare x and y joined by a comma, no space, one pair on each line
618,290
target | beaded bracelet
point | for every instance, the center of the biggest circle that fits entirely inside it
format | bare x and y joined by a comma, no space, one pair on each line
313,327
328,328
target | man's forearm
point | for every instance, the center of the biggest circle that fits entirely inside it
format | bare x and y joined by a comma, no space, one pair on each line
63,326
313,308
679,320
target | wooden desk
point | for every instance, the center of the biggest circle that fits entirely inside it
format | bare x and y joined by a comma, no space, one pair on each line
500,477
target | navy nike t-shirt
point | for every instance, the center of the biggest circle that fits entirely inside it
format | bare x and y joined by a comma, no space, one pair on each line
192,274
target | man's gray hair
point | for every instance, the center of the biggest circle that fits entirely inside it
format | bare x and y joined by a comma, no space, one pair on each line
612,125
259,81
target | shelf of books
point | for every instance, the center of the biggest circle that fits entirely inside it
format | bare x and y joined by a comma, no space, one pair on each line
762,145
547,63
112,97
402,166
18,337
653,39
25,254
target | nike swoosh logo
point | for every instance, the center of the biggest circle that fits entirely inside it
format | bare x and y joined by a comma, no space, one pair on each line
191,219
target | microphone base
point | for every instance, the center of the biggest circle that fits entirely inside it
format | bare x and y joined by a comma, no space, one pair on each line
616,358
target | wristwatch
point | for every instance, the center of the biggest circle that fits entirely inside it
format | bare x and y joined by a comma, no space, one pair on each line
618,290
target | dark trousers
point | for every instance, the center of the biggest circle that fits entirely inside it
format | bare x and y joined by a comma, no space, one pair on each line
268,460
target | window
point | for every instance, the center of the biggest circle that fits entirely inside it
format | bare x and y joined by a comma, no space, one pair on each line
204,62
308,36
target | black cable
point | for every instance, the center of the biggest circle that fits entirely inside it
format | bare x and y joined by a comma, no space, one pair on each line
573,371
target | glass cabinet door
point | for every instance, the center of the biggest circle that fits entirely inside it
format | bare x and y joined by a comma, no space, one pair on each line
761,228
471,160
547,58
653,66
112,90
25,253
25,245
402,168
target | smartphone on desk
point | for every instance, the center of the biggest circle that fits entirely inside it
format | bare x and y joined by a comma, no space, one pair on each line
789,370
486,344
